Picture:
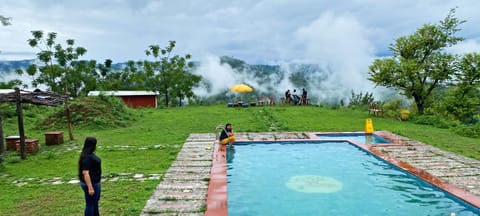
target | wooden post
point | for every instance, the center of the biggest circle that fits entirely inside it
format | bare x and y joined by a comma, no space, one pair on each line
2,148
21,130
67,112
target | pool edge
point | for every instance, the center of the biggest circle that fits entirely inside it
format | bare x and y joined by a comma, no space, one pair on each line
217,187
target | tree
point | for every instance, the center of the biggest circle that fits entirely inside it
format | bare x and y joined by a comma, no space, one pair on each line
419,64
169,75
468,74
463,100
10,84
94,76
183,88
61,67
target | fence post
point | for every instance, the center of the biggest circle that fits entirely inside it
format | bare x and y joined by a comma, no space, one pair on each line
21,130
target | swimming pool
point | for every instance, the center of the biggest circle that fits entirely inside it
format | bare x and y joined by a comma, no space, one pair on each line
327,178
359,137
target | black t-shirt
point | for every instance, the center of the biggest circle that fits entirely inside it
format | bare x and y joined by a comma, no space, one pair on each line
224,134
93,164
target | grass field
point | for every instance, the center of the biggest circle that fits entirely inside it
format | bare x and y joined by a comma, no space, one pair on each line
37,186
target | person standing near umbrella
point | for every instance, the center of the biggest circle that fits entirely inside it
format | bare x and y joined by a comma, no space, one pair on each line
227,137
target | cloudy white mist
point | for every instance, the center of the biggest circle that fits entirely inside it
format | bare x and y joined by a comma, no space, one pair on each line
342,43
339,45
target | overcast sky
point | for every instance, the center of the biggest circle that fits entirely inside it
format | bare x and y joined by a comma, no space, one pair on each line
342,36
258,31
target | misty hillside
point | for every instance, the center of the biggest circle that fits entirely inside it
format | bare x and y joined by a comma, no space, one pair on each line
264,74
267,80
12,66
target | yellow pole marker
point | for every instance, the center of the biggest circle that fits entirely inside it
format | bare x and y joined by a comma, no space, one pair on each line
368,126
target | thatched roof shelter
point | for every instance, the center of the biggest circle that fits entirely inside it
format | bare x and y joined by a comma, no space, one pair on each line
34,97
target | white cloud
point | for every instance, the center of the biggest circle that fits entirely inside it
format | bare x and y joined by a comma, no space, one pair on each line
466,46
341,35
220,76
257,31
340,42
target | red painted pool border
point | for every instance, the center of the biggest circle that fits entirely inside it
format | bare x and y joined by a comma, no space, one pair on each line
217,188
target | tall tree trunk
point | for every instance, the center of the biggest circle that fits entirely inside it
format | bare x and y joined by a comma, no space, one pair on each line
420,107
21,130
67,112
2,147
419,102
166,96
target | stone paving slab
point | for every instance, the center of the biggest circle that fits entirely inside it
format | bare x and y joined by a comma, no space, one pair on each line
186,176
183,185
456,169
455,172
180,194
472,181
175,206
193,156
196,146
187,169
204,163
173,214
204,137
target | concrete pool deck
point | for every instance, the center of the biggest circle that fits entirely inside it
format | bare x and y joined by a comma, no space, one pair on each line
195,184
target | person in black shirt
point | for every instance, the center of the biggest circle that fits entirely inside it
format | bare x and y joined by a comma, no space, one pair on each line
304,97
227,137
90,173
288,97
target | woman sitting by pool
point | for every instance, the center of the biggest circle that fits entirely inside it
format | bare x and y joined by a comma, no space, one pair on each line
226,137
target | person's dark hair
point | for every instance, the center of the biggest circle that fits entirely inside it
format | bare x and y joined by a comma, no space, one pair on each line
88,148
226,127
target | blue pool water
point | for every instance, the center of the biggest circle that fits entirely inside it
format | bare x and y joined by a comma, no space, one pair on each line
359,137
341,179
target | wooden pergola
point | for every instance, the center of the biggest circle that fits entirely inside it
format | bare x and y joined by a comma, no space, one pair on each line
18,96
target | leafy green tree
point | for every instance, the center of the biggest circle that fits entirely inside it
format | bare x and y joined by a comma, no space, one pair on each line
183,88
468,74
169,75
10,84
100,78
419,64
463,100
61,71
360,99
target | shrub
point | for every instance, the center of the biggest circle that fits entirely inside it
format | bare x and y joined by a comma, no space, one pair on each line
360,100
472,131
93,112
11,159
8,110
434,120
391,109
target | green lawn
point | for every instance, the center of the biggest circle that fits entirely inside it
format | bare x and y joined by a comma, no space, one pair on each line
151,143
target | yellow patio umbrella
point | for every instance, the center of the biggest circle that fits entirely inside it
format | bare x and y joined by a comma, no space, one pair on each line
241,88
